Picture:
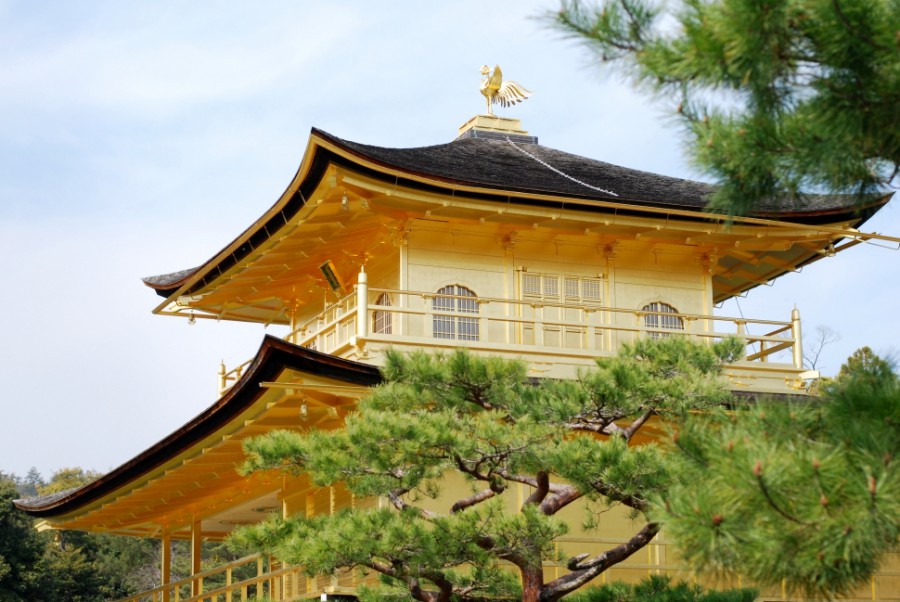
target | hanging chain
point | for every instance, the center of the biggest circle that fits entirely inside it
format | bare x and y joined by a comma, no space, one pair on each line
557,171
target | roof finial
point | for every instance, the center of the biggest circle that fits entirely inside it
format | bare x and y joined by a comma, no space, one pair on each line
496,90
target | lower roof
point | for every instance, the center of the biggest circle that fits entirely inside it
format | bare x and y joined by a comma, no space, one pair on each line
274,357
69,509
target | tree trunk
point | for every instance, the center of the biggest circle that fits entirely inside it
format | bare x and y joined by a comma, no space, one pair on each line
532,583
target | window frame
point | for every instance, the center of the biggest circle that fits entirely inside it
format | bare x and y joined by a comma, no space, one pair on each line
383,320
455,315
662,318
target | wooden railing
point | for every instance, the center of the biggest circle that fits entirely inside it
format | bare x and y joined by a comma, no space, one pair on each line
525,326
536,323
231,591
285,583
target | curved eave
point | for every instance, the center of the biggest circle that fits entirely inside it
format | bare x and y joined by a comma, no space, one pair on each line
325,150
273,357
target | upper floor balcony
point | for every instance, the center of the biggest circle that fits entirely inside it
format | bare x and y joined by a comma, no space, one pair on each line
557,338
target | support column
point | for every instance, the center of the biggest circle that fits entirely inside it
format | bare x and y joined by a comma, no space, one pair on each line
403,326
196,551
165,563
797,333
612,342
362,304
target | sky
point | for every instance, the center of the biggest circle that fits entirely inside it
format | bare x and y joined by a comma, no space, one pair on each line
140,138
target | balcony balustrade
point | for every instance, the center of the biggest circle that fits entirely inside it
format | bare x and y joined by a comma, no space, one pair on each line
557,338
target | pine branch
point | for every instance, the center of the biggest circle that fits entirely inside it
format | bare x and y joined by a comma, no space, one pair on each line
484,494
632,501
530,481
441,581
397,501
413,584
561,498
540,492
853,30
771,501
583,569
637,424
599,427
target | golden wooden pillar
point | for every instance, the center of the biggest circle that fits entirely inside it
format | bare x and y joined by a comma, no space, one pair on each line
196,552
165,564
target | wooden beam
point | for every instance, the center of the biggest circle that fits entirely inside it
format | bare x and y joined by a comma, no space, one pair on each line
196,551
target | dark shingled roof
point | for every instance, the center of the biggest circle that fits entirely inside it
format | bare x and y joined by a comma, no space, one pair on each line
44,500
532,168
164,280
521,167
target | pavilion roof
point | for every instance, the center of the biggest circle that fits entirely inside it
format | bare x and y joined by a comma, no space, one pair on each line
274,356
504,171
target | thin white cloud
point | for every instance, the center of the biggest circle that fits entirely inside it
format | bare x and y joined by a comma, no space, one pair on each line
145,66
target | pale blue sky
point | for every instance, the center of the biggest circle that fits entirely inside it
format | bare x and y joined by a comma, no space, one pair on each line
140,138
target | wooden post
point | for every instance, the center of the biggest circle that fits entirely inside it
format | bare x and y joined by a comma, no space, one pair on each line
362,304
196,551
798,339
260,585
165,563
223,382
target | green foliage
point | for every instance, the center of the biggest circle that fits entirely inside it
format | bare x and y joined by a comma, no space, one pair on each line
67,478
485,420
865,364
659,588
68,574
776,98
66,565
21,548
806,493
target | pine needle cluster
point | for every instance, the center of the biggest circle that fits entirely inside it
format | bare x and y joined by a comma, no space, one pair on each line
804,493
777,99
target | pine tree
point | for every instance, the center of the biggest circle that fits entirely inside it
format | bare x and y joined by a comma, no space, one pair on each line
21,548
777,98
483,419
808,493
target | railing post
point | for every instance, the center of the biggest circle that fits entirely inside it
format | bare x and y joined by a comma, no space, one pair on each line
362,304
798,338
222,379
741,333
590,331
538,325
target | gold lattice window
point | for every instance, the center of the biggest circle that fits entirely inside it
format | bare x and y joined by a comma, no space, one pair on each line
383,320
574,289
451,301
660,317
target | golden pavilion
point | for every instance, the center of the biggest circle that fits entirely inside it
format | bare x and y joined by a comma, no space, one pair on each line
491,242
